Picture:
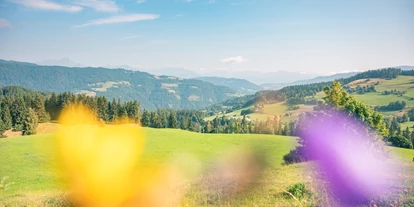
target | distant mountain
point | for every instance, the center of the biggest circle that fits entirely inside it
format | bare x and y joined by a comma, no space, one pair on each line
258,77
59,62
405,67
276,86
150,90
177,72
239,85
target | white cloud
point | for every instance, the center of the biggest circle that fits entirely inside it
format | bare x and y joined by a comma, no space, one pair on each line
140,1
4,24
131,36
47,5
99,5
120,19
233,60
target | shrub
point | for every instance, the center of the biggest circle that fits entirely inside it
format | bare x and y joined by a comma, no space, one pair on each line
400,141
294,156
299,191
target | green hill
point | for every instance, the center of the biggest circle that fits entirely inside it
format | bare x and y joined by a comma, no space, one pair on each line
239,85
28,163
150,90
302,98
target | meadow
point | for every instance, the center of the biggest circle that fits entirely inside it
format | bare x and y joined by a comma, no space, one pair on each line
270,110
28,163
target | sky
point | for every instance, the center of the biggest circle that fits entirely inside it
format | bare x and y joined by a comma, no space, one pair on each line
305,36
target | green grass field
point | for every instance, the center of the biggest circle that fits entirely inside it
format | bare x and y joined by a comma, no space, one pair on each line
270,110
27,161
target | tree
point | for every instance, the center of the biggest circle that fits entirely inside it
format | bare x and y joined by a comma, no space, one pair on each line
102,108
207,127
339,99
244,124
146,118
5,115
155,120
18,109
52,107
172,120
164,120
184,124
30,122
38,106
190,124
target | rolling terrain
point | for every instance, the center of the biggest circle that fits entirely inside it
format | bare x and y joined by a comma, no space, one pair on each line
150,90
404,84
239,85
29,165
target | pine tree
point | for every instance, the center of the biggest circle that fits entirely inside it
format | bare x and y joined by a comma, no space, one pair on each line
146,118
216,125
172,120
51,106
18,109
184,124
250,128
164,120
102,104
155,120
39,107
30,122
113,111
244,125
190,124
406,133
5,115
207,127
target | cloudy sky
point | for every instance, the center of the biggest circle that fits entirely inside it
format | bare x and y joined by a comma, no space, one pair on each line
206,35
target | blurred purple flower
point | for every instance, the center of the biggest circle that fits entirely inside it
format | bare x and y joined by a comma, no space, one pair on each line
346,152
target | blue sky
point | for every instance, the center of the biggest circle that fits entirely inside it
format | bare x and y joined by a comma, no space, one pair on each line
208,35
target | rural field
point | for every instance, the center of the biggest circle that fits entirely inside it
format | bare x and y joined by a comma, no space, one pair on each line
401,83
28,163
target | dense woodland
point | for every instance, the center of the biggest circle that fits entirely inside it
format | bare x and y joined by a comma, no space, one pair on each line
23,109
392,106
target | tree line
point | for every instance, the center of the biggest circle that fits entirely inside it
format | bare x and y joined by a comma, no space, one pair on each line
23,109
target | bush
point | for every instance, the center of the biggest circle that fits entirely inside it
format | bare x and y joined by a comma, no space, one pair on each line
247,111
299,191
294,156
400,141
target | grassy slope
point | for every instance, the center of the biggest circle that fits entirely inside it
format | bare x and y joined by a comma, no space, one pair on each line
276,109
26,160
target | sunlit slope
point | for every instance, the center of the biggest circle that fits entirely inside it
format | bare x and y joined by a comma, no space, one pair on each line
270,110
27,160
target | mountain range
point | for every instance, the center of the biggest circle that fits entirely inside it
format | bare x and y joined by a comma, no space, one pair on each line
240,85
150,90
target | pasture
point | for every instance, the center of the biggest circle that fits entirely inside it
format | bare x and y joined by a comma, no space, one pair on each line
28,162
270,110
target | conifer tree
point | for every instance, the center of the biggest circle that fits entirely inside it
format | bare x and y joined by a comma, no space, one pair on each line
172,120
30,122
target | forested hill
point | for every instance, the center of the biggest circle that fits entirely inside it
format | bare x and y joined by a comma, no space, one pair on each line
300,94
239,85
150,90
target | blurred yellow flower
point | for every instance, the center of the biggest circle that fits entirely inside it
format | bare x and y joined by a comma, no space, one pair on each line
102,161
